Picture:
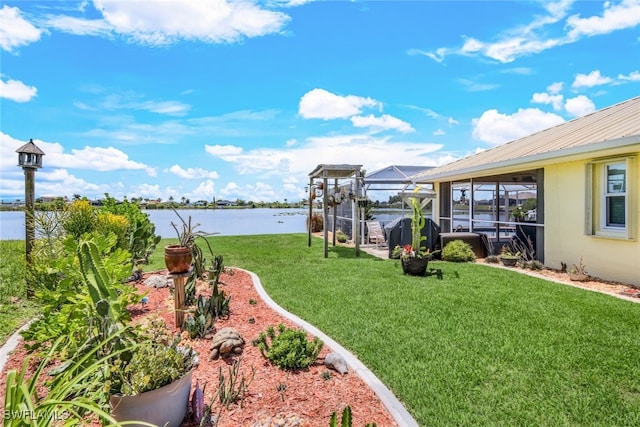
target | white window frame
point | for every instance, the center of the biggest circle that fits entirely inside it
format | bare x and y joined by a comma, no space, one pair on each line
598,194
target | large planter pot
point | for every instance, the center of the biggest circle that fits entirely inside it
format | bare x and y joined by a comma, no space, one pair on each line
164,406
177,259
414,266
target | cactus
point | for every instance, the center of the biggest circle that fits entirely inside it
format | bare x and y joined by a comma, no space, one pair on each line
346,419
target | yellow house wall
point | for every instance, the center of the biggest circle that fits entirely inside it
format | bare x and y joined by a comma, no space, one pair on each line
566,241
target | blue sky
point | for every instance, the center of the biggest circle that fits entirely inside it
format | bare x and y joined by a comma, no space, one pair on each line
242,99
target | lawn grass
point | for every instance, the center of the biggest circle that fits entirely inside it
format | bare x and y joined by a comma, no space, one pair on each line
15,309
483,346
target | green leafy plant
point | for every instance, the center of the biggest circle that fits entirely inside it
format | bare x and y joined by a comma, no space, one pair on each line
84,295
458,251
140,237
508,252
78,392
158,360
289,349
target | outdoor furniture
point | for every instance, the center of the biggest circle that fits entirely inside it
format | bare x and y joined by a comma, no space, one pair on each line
375,233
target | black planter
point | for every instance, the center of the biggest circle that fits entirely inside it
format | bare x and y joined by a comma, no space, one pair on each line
414,266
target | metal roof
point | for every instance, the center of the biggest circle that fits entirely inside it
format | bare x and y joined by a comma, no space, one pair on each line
394,174
611,127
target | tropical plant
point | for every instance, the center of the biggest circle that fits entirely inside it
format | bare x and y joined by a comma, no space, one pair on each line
416,249
289,349
140,236
86,297
76,395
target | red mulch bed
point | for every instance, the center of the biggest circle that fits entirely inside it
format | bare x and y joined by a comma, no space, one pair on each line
304,394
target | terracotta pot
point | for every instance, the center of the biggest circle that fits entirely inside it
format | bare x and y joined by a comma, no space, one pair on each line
414,266
177,259
164,406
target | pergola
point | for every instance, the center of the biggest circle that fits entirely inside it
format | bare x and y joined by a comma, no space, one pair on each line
324,173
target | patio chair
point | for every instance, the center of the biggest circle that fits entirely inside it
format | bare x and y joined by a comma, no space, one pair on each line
375,233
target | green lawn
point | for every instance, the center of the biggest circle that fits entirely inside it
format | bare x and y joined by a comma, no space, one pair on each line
483,346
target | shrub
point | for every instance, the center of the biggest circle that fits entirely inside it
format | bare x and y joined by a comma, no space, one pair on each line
492,259
341,237
458,251
81,218
290,348
107,222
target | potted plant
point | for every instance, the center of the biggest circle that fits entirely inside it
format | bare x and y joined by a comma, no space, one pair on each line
518,214
153,386
178,257
578,272
508,257
414,258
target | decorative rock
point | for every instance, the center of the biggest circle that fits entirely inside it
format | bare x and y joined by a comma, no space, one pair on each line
157,281
225,342
279,420
336,362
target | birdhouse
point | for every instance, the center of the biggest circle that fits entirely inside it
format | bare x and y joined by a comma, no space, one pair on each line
29,156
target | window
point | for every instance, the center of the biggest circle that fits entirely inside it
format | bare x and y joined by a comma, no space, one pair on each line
608,198
615,196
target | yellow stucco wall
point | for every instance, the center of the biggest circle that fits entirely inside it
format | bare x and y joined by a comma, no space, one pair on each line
565,237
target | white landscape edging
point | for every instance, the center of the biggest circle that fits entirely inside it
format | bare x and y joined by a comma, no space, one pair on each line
11,344
392,404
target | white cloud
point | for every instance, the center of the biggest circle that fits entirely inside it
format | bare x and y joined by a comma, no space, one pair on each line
592,79
15,31
173,108
534,37
79,26
555,88
545,98
223,150
192,173
167,22
496,128
372,152
204,191
625,14
634,76
579,106
94,158
439,132
17,91
321,104
382,123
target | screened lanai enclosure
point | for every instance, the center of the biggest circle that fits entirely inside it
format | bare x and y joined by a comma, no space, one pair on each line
501,207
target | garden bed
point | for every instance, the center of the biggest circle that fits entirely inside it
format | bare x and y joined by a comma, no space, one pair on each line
305,397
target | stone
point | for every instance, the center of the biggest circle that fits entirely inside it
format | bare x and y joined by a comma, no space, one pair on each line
157,281
336,362
225,342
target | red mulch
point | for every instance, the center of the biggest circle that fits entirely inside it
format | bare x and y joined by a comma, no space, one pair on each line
303,394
